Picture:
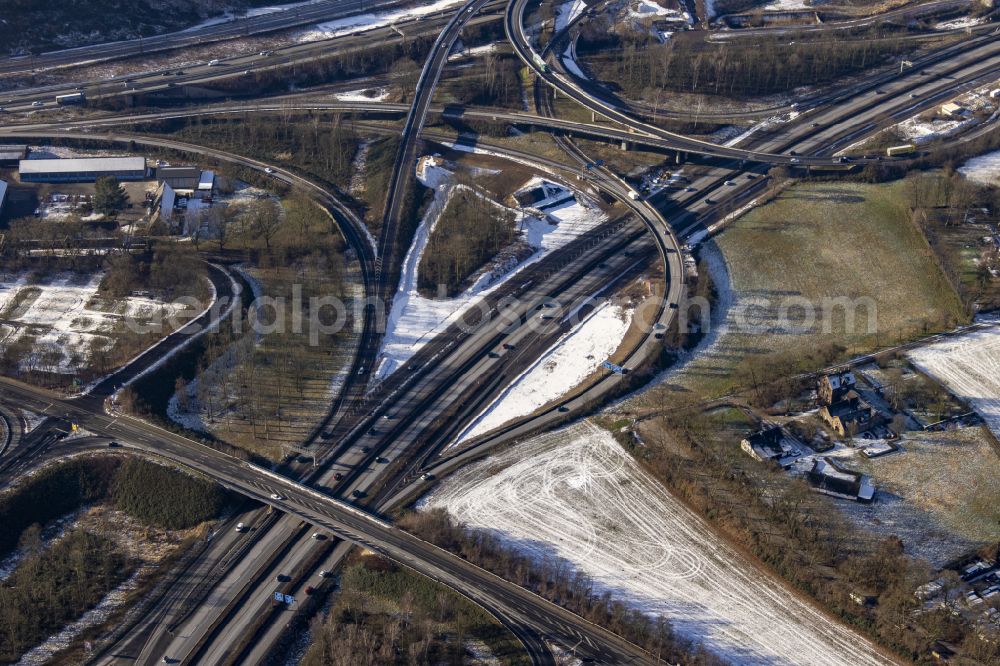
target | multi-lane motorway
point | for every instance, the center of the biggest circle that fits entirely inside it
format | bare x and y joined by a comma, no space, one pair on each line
377,453
212,31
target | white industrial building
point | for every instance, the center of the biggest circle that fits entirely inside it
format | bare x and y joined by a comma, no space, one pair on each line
82,169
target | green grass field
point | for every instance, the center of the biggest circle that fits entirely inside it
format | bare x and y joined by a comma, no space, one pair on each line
818,242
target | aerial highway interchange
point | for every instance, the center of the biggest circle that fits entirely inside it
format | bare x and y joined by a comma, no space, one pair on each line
383,441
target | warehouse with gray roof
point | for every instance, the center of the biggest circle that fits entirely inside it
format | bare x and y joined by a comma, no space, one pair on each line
82,169
11,154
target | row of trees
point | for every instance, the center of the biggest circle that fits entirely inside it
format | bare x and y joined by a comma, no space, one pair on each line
558,582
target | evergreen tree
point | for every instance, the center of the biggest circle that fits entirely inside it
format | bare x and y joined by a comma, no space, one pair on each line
109,196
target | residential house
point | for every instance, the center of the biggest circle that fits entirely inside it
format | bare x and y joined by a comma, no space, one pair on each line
835,386
764,444
850,416
829,478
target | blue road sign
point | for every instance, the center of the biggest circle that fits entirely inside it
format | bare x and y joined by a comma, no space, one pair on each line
617,369
289,599
278,596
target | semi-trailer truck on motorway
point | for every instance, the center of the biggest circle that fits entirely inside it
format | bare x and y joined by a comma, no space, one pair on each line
896,151
71,98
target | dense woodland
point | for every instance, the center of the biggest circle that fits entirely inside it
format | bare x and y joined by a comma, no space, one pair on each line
321,146
496,81
295,253
169,271
384,615
55,582
53,586
469,233
643,68
38,24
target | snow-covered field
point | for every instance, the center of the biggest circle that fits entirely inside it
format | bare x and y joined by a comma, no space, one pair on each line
415,319
983,169
65,327
365,22
969,366
575,494
571,360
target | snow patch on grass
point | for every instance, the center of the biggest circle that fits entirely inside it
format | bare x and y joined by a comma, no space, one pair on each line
964,22
983,169
786,5
576,495
366,95
65,328
365,22
646,9
567,12
564,366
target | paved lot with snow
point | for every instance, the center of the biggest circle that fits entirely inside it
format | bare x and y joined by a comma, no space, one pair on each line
577,495
921,131
571,360
970,367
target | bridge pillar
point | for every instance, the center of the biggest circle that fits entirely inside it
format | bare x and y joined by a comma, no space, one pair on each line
624,145
593,116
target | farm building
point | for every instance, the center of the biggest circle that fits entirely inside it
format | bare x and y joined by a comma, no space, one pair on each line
835,386
11,154
206,184
82,170
831,479
179,177
763,445
851,415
